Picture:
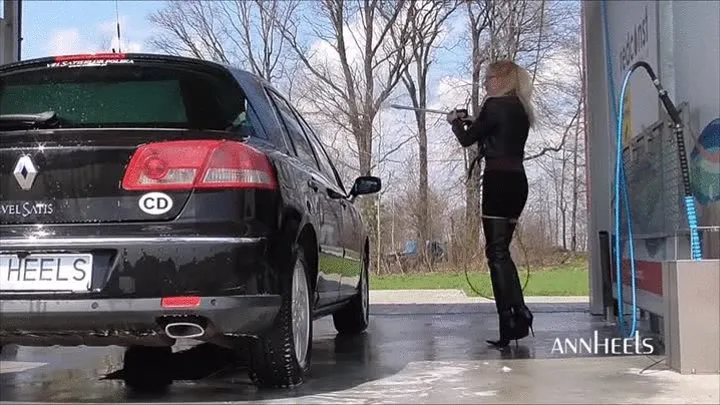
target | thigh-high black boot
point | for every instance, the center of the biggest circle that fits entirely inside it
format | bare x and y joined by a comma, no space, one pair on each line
515,318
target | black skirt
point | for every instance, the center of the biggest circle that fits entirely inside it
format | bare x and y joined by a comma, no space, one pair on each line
504,193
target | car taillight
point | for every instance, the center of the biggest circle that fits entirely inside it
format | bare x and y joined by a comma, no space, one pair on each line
184,165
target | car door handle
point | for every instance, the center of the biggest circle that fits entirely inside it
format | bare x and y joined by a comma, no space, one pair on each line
313,185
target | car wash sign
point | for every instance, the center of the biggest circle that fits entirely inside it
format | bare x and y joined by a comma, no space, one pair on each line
633,37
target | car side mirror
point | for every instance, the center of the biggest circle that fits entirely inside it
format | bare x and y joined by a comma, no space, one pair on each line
366,185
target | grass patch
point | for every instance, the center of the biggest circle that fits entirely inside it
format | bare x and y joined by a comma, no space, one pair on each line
569,280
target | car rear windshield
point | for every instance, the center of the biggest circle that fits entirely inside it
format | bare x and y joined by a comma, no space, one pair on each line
132,95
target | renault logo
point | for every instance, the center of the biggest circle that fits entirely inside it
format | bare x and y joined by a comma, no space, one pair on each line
25,172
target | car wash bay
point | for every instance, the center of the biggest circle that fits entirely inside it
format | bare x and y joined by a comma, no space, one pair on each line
412,353
430,348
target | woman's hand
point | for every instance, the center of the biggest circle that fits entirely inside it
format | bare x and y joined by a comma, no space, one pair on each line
457,115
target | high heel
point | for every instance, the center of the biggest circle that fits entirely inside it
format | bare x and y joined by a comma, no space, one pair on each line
527,316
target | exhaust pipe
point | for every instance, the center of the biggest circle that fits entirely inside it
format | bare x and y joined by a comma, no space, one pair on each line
184,330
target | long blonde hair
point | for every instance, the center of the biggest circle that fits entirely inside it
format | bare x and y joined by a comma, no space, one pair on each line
514,80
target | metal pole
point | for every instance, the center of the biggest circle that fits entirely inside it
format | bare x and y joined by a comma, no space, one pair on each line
427,110
379,247
392,229
19,38
10,38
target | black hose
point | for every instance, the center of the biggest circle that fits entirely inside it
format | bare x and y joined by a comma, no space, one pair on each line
695,245
677,121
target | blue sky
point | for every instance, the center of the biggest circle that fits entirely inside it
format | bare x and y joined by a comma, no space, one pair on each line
56,27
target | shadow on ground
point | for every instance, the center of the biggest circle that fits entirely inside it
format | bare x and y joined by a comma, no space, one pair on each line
398,336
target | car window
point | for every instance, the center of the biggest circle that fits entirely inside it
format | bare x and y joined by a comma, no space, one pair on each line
142,95
326,166
295,131
249,122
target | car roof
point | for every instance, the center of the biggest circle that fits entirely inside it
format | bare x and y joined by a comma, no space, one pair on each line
124,56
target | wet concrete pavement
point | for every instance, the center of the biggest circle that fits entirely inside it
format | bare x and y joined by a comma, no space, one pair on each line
416,353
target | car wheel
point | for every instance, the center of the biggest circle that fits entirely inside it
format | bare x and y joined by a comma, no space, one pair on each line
355,317
147,368
281,358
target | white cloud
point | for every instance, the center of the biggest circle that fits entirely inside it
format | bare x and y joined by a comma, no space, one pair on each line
99,38
65,41
108,29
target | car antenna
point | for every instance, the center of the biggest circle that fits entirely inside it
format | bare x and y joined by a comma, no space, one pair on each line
117,20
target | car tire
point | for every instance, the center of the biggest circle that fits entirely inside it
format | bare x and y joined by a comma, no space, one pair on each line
147,369
281,358
354,318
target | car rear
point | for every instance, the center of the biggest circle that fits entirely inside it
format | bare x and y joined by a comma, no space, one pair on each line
131,196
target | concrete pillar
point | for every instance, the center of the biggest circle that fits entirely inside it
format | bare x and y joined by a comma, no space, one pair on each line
599,146
10,32
666,73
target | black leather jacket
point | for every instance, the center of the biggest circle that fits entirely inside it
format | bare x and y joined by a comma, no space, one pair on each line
501,131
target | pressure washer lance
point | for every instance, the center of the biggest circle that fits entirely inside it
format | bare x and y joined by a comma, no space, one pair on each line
462,113
464,116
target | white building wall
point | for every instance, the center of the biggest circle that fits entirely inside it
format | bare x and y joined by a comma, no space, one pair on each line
697,82
697,58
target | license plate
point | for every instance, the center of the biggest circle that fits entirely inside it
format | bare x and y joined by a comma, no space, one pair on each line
46,272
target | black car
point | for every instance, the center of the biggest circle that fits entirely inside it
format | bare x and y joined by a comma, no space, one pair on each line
148,198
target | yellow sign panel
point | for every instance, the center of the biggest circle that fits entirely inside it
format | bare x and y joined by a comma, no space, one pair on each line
627,118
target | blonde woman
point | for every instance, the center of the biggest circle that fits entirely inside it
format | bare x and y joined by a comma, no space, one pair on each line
500,131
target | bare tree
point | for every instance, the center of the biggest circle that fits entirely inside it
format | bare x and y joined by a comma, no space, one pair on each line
358,37
191,28
576,190
261,44
238,32
479,19
425,28
579,168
